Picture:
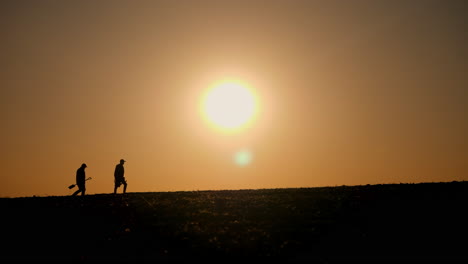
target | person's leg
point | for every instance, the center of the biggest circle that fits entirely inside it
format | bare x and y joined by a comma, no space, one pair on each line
125,187
76,192
83,191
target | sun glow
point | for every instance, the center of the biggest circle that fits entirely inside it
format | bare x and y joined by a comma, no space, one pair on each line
229,105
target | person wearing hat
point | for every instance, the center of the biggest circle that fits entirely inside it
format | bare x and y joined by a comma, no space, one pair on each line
119,178
80,180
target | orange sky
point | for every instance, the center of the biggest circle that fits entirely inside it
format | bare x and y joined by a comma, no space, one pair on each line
351,93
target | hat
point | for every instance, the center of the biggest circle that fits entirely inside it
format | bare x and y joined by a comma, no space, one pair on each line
84,165
122,160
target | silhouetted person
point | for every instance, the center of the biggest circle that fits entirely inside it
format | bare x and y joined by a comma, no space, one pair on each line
119,178
80,180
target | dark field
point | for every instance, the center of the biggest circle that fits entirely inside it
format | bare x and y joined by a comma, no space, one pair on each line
426,221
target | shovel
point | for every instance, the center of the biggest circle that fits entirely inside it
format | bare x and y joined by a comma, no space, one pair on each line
73,185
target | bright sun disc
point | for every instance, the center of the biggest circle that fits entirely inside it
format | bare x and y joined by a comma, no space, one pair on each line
229,105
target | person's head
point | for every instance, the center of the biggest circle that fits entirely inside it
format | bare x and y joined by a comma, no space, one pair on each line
83,165
122,161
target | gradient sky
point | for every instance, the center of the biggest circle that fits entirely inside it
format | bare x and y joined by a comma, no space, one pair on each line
350,92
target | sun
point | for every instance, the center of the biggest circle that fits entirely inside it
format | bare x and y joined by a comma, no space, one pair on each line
229,105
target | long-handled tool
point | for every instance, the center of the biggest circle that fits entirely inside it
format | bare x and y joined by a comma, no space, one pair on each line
73,185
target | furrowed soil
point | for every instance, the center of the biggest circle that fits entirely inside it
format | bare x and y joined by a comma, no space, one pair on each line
425,221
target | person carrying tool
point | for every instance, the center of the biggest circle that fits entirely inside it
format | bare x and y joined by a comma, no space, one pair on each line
119,178
80,180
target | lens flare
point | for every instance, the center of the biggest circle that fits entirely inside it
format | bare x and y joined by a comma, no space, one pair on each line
243,157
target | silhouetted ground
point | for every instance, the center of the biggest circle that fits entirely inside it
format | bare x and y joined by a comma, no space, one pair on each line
396,222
